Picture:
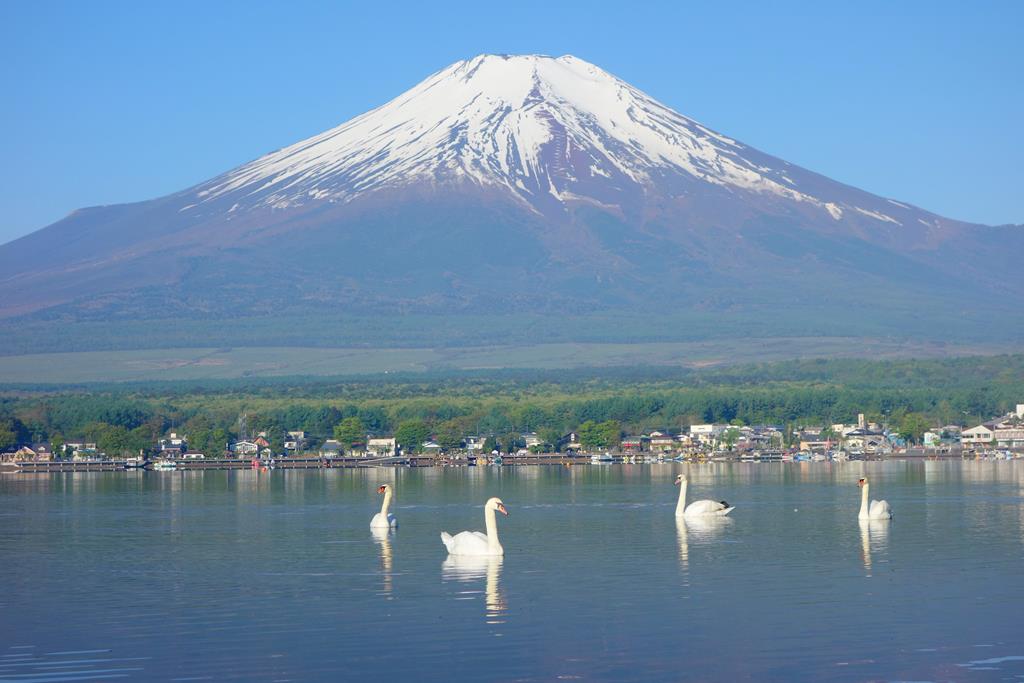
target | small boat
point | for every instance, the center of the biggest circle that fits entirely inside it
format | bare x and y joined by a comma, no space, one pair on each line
602,458
134,464
164,465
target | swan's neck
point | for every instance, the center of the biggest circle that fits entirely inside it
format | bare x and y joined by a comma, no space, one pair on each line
681,505
492,529
864,501
386,503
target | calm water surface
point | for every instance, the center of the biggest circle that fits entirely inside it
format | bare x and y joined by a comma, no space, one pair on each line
186,576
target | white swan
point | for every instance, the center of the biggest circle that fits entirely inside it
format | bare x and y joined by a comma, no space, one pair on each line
699,508
879,509
474,542
384,519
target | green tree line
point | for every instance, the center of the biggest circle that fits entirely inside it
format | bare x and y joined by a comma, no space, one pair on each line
954,391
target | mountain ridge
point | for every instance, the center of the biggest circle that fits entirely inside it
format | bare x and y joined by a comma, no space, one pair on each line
510,184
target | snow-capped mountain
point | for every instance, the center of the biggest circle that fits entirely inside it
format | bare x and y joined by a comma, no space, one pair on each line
536,127
517,184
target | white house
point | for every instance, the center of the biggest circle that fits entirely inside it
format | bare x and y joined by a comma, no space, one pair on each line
1009,433
707,434
295,441
474,443
379,447
571,442
173,441
245,448
975,436
866,440
76,448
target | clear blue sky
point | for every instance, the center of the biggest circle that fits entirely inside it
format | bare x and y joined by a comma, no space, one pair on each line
108,102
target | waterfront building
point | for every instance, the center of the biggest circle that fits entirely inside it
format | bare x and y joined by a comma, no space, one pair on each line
977,436
631,444
330,449
474,444
381,446
660,442
174,442
295,441
707,434
242,448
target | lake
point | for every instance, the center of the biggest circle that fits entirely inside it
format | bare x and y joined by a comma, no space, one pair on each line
275,576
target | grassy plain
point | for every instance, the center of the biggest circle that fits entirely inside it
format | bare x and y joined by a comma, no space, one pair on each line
184,364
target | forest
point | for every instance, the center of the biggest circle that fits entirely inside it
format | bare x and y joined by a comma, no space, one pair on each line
126,418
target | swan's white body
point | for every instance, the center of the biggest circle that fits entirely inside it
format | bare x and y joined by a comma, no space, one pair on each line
699,508
474,542
877,509
384,519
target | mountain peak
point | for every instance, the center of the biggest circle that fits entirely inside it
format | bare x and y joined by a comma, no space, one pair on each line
514,183
545,130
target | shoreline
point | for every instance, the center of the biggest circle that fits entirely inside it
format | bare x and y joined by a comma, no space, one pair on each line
546,459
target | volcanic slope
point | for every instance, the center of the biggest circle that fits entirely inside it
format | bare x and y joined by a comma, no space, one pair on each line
528,185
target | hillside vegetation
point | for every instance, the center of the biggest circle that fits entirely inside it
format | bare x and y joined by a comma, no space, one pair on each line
814,392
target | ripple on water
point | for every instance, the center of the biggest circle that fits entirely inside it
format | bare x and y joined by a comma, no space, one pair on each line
599,582
66,665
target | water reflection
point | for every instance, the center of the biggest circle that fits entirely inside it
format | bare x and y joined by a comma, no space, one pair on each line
698,529
874,537
322,591
684,545
383,538
467,568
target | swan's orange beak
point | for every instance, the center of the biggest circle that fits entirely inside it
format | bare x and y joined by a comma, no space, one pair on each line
676,482
502,510
382,489
860,482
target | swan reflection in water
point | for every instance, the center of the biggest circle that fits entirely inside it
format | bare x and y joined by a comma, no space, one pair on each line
382,536
699,530
472,568
874,537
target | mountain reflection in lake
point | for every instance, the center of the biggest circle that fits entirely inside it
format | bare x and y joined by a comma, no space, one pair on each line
277,576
